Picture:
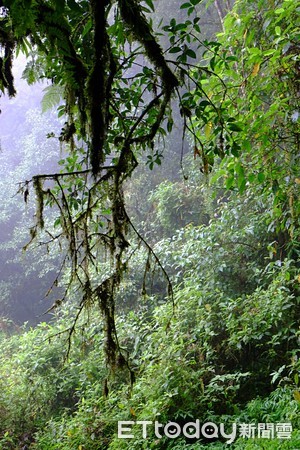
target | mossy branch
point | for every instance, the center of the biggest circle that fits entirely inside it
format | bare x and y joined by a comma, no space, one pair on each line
97,88
6,76
137,23
38,187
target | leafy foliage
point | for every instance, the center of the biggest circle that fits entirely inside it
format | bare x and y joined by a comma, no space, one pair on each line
89,51
227,348
255,90
222,354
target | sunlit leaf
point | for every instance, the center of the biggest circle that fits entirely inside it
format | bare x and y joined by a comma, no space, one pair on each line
255,70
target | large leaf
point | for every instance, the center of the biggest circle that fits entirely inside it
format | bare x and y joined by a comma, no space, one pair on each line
52,97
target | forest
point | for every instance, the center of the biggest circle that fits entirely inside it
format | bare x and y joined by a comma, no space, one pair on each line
150,224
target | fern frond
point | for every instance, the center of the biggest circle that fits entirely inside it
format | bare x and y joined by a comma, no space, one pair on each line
52,97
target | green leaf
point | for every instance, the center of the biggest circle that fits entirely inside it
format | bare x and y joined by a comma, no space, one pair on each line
57,222
191,53
180,26
175,50
170,125
150,4
185,5
87,28
261,177
241,184
278,30
269,52
235,149
239,169
61,111
212,63
229,182
235,127
204,103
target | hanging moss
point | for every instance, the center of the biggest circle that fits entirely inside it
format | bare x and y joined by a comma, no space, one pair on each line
97,86
134,18
38,187
6,76
107,307
89,83
57,31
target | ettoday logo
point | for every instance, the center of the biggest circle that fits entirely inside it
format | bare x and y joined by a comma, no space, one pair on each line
172,430
207,430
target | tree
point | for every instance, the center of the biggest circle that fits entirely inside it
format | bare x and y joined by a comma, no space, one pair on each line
116,86
236,320
256,92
